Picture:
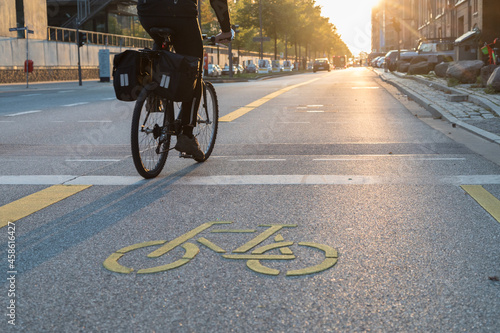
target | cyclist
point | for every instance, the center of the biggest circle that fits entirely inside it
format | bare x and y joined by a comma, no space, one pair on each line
182,17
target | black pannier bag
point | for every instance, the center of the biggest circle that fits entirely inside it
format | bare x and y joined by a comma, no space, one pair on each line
127,79
175,75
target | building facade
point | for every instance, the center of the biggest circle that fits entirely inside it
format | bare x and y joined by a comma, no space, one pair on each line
432,19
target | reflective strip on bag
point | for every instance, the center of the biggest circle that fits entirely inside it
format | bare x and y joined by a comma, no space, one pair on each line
124,80
165,81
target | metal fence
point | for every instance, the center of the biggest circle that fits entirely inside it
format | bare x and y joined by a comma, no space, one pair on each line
97,38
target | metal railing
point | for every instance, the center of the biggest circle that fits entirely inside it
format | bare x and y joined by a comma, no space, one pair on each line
67,35
97,38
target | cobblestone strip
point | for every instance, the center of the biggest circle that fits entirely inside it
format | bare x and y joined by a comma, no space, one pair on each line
475,118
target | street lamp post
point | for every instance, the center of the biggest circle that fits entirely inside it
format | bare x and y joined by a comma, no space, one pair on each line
261,37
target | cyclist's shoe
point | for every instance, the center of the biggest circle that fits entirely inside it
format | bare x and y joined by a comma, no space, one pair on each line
189,146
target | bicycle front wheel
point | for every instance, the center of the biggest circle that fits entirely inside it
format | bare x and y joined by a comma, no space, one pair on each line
149,138
207,121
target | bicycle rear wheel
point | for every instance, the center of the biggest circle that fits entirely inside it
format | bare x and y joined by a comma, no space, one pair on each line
207,121
149,139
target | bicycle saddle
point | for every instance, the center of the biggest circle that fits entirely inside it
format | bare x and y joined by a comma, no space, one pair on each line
163,32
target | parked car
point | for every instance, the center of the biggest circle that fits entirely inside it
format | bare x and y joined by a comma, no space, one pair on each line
381,62
408,55
214,70
437,50
321,64
287,66
225,70
391,59
251,68
372,56
240,69
265,66
374,61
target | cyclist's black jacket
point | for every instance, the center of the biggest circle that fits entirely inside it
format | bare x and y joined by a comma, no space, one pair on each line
183,8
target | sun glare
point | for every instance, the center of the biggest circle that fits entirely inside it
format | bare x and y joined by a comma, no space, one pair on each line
352,19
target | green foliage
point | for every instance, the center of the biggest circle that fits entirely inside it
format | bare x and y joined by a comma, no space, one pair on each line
452,82
490,90
294,26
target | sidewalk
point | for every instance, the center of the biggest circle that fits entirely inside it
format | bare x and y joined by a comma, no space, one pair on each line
465,106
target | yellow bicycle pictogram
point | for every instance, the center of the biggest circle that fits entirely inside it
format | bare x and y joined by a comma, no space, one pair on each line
244,252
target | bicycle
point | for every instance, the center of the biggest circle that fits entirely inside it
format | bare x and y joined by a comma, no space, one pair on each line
491,52
156,120
241,253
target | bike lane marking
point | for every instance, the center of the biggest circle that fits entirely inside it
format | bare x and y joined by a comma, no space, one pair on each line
485,199
253,259
255,104
32,203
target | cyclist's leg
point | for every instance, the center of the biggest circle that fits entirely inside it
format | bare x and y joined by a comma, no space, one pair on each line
188,41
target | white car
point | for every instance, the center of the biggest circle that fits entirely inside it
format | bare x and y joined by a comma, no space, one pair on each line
214,70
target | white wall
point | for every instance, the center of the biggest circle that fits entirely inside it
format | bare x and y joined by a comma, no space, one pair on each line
50,53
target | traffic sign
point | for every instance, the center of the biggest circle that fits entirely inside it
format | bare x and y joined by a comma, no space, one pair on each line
26,66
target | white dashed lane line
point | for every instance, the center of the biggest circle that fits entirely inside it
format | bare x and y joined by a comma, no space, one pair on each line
75,104
22,113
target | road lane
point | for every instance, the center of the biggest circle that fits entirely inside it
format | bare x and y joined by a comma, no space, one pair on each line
364,177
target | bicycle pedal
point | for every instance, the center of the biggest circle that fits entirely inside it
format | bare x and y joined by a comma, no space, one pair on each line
184,155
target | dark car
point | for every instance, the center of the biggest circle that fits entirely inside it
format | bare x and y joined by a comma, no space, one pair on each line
251,68
437,50
391,59
321,64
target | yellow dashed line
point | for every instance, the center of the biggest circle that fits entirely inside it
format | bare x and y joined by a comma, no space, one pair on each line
32,203
255,104
485,199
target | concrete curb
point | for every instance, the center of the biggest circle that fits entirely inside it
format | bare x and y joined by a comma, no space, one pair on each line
439,112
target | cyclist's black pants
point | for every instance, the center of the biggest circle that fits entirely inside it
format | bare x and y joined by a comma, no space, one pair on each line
187,40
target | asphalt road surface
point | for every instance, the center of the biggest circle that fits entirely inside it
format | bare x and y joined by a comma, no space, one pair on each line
334,205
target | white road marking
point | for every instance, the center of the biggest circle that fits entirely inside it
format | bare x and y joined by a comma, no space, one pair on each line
343,159
294,122
22,113
258,160
29,95
95,160
75,104
223,180
94,121
409,158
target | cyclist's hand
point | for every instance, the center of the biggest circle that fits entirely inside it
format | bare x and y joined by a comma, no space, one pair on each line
225,37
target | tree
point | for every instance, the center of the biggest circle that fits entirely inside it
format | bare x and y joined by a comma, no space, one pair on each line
298,22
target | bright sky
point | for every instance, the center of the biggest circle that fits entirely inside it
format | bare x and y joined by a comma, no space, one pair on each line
353,21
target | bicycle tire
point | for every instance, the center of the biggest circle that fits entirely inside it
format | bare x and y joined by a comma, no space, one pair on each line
148,122
207,121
